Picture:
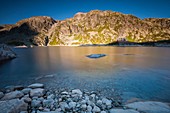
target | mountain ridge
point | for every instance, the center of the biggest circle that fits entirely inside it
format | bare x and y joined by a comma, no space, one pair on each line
94,27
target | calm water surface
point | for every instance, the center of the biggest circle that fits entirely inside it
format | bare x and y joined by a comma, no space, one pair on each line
134,72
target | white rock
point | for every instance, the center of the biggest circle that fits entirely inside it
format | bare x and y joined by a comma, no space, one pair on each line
150,107
72,104
83,107
103,112
36,85
123,111
13,95
77,91
89,108
37,92
1,94
107,102
13,106
96,109
26,90
99,102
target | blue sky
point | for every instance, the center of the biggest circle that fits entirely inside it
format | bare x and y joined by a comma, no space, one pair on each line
12,11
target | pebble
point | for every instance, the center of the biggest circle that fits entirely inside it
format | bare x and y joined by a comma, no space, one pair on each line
72,104
96,109
83,107
35,103
89,108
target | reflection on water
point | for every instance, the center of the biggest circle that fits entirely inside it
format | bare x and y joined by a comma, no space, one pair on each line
134,71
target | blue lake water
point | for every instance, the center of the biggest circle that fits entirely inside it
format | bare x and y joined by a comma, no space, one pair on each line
134,72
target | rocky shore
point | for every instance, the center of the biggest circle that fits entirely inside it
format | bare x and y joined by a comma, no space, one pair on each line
36,99
6,53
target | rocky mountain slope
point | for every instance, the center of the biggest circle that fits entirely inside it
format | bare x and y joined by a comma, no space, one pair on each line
31,31
94,27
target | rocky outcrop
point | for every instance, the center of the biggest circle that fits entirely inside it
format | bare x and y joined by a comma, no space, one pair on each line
31,31
103,27
94,27
6,53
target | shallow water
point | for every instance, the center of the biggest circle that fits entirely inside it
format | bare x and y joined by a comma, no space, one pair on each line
134,72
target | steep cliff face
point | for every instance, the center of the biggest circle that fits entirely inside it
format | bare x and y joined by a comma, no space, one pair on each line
94,27
102,27
31,31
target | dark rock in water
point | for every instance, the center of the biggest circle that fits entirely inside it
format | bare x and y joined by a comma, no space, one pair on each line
6,53
96,55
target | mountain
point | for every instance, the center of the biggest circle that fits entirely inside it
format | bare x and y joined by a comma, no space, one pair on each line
94,27
31,31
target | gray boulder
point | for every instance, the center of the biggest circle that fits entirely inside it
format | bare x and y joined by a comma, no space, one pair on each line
6,52
150,107
36,103
26,90
13,106
37,92
96,109
13,95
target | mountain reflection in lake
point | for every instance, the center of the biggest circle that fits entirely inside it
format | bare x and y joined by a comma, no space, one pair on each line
140,72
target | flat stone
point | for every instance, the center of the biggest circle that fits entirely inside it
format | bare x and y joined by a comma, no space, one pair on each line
96,56
36,103
26,90
150,107
13,95
36,85
37,92
48,103
13,106
123,111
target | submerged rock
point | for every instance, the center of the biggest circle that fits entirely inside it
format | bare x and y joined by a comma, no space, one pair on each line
123,111
150,107
96,55
36,85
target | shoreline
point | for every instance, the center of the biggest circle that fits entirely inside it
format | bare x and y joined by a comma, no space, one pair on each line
92,46
36,98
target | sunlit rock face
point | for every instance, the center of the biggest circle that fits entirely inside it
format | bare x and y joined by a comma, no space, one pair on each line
103,27
94,27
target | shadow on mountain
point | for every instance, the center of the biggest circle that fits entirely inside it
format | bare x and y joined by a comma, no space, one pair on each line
18,35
